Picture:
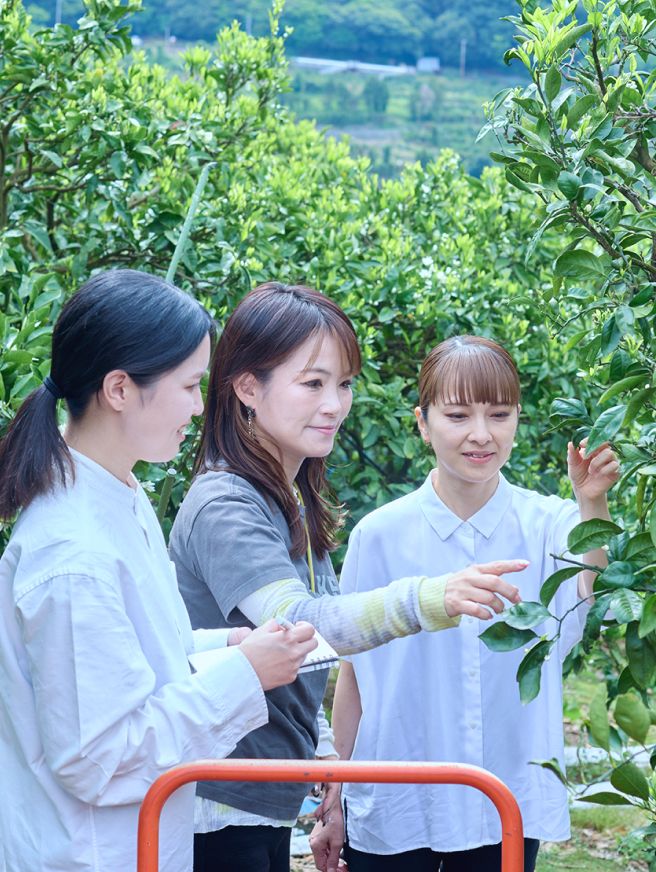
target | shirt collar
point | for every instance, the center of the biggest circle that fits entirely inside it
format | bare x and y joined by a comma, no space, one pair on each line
103,482
445,522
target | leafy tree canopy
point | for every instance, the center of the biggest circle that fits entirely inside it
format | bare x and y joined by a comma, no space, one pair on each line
373,30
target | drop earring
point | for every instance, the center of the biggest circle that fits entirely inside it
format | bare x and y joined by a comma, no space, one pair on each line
250,417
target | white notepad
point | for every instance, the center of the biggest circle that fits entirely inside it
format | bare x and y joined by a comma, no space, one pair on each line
324,656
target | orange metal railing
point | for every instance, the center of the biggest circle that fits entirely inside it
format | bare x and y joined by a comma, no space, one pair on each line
512,838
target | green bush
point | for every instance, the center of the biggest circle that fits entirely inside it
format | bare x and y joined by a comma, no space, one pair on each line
99,161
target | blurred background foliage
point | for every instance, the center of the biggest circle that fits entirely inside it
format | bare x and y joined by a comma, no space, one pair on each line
392,119
383,31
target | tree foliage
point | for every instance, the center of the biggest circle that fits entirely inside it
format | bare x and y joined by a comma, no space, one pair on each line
99,161
376,30
581,138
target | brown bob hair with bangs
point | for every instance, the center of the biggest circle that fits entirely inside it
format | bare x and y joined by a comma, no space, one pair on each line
267,326
468,369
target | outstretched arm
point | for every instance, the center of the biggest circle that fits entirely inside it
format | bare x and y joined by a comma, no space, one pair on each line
359,621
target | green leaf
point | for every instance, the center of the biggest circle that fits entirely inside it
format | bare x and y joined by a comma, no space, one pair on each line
610,336
525,614
553,765
639,544
582,264
626,605
592,534
53,157
624,318
575,339
626,681
644,296
570,409
606,426
606,797
594,620
567,41
624,384
39,233
641,656
548,222
629,779
552,82
648,619
637,404
617,574
569,184
501,637
652,524
142,148
647,833
632,716
529,672
598,719
516,182
551,585
579,109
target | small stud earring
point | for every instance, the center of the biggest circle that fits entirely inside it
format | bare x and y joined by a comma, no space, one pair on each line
250,417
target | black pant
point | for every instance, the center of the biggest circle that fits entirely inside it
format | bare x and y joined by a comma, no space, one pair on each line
485,859
243,849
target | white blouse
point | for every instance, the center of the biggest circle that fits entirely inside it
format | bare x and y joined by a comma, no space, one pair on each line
97,698
447,697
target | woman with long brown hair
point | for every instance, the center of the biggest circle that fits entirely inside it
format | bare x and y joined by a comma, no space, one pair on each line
252,541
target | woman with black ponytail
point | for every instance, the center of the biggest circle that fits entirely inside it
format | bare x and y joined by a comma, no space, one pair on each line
103,684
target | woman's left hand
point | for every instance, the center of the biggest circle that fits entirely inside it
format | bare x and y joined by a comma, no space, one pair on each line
237,635
592,477
327,836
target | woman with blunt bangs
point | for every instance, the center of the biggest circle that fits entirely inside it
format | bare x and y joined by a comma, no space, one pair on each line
252,539
96,649
446,696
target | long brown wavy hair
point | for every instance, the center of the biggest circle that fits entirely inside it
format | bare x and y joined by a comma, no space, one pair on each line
267,326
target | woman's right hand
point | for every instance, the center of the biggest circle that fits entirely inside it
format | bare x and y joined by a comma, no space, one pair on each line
276,654
476,589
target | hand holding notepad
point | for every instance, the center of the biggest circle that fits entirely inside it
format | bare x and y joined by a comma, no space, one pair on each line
324,655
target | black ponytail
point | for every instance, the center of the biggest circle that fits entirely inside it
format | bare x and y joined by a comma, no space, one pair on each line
121,319
33,454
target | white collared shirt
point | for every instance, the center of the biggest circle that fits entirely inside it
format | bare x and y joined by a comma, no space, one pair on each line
97,698
445,696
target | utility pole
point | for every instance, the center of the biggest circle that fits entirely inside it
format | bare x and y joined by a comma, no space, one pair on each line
58,11
249,23
463,56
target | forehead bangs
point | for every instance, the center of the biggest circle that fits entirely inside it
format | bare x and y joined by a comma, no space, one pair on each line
347,339
272,321
465,372
342,332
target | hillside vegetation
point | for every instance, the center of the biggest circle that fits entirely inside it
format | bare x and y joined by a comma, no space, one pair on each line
376,30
